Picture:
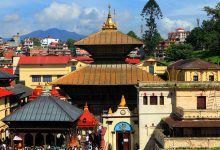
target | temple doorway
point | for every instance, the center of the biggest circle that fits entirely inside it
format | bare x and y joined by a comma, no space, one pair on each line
123,140
123,133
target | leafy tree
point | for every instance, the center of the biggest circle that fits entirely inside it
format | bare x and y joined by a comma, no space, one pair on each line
179,51
132,34
150,13
208,35
196,38
156,39
36,41
70,43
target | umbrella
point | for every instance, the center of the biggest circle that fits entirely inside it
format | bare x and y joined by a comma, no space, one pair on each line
17,138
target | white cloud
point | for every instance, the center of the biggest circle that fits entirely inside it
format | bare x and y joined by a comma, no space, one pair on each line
11,18
59,12
170,24
71,17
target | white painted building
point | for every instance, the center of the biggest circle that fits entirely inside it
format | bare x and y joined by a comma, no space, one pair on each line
154,103
122,128
179,36
45,42
28,43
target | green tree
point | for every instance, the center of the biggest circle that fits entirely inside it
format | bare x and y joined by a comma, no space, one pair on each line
179,51
150,13
70,43
132,34
36,41
208,35
196,38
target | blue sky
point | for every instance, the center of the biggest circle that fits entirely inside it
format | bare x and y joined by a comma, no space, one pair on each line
87,16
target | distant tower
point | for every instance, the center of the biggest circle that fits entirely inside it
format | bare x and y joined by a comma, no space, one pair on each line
198,22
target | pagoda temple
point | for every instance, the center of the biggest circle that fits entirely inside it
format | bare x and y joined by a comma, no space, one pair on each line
102,83
109,45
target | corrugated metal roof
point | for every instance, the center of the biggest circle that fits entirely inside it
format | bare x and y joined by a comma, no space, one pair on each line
37,60
107,74
193,64
5,75
46,108
20,89
108,37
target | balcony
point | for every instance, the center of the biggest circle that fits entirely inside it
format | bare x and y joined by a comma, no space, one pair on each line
199,113
185,142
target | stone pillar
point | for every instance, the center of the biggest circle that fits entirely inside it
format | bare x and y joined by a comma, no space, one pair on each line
23,138
12,142
45,144
33,134
55,139
67,139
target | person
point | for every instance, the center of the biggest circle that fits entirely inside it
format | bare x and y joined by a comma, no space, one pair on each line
87,141
79,138
136,146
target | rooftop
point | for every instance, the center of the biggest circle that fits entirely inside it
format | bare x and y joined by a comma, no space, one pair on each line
107,74
45,108
193,64
47,60
109,35
5,75
4,93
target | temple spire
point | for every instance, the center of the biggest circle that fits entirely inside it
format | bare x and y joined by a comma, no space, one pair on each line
123,102
86,107
109,24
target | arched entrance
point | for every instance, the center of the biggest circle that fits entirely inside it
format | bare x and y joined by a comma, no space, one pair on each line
50,139
28,140
39,140
123,137
60,140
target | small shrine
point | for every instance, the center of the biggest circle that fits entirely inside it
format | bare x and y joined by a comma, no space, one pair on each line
38,91
122,127
87,120
45,122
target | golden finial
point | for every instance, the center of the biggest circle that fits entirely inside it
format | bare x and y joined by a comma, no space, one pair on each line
123,102
86,107
109,24
109,111
109,8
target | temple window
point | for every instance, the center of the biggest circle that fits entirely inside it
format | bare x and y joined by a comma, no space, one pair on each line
195,77
145,100
47,78
201,102
84,120
211,77
153,100
36,78
73,68
161,100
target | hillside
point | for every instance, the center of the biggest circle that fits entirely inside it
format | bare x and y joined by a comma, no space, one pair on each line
63,35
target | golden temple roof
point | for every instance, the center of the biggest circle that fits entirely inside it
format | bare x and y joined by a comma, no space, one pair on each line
109,35
107,74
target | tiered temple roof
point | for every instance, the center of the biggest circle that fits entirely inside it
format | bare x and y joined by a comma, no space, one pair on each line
107,74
